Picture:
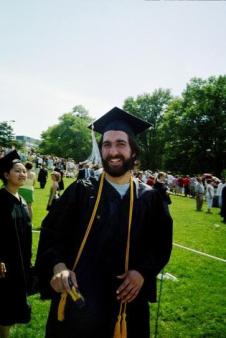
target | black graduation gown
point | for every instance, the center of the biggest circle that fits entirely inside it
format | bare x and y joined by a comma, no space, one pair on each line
223,205
103,257
162,189
15,252
85,173
42,177
61,182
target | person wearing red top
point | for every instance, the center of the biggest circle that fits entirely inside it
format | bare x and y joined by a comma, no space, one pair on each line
150,180
186,185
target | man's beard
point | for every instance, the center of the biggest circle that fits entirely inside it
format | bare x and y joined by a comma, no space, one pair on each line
127,164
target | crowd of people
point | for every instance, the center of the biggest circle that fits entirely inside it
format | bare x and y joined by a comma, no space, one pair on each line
200,187
203,187
103,241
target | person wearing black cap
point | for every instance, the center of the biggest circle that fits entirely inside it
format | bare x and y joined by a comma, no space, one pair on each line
109,237
15,245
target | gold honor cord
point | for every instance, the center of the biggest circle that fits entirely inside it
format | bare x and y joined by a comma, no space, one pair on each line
64,294
120,326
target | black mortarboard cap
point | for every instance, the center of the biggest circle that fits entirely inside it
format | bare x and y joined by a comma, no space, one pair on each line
118,119
7,160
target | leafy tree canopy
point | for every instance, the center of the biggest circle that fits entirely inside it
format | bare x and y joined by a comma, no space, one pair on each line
194,128
70,138
150,107
7,137
187,134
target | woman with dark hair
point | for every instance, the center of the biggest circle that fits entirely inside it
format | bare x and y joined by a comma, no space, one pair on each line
15,246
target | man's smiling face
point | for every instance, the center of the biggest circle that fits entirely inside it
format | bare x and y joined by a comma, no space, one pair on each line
116,153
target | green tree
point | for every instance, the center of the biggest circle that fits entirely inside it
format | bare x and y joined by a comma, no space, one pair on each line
7,138
150,107
69,138
194,128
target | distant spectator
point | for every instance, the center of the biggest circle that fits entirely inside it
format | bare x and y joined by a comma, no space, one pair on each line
150,180
85,171
170,181
186,185
39,161
42,176
54,194
199,193
59,167
70,168
27,189
220,187
161,187
98,169
50,165
209,195
180,185
193,183
140,176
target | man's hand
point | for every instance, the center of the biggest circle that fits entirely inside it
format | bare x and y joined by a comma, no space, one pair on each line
129,289
59,281
2,270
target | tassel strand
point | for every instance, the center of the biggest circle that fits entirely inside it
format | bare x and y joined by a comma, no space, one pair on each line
61,306
120,330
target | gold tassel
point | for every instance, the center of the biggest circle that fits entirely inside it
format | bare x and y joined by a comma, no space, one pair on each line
123,326
61,306
74,294
117,331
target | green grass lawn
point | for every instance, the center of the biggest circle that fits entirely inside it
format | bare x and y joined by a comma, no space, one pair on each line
192,306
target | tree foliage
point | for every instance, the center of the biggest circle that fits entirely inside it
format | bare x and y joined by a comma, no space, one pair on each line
151,108
7,138
70,138
187,134
194,128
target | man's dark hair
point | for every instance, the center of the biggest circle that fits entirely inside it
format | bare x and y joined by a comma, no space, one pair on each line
28,165
133,145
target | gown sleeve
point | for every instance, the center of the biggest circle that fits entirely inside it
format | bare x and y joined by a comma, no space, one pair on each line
156,244
55,238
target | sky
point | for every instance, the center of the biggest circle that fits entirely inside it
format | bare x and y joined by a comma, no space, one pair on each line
57,54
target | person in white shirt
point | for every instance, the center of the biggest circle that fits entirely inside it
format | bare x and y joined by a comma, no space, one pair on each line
199,192
209,195
220,187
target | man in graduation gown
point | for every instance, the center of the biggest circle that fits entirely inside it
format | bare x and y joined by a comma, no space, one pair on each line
129,242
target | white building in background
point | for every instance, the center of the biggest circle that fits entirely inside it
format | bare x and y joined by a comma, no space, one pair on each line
28,142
